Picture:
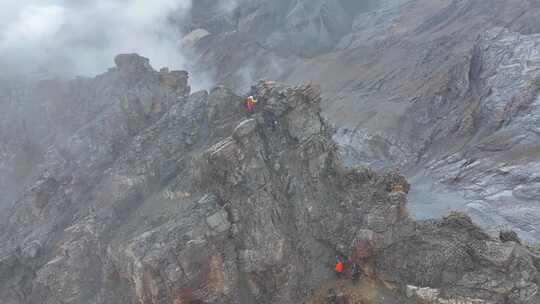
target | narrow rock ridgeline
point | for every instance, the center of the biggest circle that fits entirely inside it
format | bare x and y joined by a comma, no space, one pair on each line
169,197
446,90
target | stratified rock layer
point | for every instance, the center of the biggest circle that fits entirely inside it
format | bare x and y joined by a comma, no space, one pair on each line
165,197
446,90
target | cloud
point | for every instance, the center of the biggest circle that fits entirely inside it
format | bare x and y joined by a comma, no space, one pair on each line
228,6
35,24
76,37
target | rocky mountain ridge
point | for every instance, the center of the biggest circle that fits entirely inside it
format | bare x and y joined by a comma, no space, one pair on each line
151,194
444,90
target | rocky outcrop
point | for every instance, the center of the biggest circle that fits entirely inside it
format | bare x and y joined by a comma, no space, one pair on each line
417,85
164,197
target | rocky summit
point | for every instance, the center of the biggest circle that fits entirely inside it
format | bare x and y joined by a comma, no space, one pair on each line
148,193
445,90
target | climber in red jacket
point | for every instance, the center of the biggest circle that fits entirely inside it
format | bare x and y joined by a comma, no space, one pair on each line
339,267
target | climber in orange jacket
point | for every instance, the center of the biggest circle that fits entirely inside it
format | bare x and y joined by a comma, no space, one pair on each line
250,104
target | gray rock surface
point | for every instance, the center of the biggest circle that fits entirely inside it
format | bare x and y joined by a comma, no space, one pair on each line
163,197
445,90
303,27
498,166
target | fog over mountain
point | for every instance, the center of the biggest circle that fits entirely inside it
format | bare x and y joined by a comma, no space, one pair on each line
396,139
66,38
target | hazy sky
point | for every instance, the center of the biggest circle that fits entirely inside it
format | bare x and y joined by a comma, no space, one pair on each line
82,36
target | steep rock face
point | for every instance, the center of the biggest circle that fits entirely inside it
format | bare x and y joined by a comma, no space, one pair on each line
105,113
38,115
186,200
426,86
